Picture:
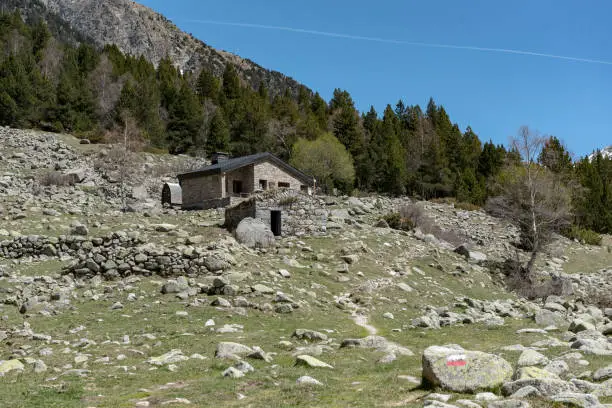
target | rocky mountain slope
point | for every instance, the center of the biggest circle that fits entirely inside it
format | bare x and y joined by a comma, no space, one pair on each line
138,30
160,307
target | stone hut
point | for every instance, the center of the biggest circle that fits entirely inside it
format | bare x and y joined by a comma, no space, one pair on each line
172,194
228,181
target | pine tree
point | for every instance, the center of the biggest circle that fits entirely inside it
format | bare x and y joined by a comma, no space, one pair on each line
218,139
207,86
345,122
231,82
555,156
185,119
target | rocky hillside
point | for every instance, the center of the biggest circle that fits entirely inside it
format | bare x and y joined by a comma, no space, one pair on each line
160,307
138,30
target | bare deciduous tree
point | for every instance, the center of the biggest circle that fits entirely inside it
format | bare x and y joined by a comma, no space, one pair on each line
532,197
51,61
106,89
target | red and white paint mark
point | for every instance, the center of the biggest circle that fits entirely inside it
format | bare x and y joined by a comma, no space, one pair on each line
456,360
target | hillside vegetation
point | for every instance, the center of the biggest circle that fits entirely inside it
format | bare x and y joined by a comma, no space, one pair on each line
105,95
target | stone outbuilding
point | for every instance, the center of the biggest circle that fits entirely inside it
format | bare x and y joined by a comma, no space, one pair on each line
226,181
172,194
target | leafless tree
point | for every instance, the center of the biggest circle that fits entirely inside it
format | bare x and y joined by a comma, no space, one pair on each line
51,61
532,197
105,87
121,161
283,134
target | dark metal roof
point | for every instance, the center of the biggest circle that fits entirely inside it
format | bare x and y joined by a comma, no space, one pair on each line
239,162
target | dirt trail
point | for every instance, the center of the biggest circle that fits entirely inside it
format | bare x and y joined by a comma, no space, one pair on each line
361,320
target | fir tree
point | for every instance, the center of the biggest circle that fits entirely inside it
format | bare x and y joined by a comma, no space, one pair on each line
218,139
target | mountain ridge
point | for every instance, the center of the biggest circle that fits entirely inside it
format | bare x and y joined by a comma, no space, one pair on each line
606,153
138,30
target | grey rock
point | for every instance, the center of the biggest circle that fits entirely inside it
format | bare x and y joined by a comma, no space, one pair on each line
526,392
233,372
171,357
254,233
574,399
232,350
455,369
532,358
603,374
545,318
244,367
310,361
309,335
545,386
579,325
508,403
307,380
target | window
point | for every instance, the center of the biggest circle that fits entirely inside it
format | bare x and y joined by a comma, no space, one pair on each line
237,186
303,188
283,185
263,184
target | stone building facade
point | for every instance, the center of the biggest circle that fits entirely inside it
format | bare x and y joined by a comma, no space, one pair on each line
226,182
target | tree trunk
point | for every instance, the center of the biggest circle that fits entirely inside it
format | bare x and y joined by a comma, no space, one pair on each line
531,263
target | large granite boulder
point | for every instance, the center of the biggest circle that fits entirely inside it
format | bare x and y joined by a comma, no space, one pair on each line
454,369
254,233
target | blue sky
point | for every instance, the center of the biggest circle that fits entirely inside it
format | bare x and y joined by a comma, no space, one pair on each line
494,92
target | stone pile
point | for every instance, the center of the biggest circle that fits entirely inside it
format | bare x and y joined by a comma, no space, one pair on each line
42,247
149,260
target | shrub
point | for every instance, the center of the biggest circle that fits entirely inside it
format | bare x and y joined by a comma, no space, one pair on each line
466,206
417,217
583,235
414,213
55,178
396,221
443,200
602,299
288,201
526,284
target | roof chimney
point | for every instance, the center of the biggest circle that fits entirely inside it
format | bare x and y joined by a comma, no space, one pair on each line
219,157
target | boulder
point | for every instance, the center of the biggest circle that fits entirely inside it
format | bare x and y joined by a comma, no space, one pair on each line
545,386
604,389
232,350
171,357
454,369
579,325
574,399
307,380
508,403
378,343
532,358
545,318
310,361
254,233
233,372
76,175
603,374
469,255
10,365
524,373
310,335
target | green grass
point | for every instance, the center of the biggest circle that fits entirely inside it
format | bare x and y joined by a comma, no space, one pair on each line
357,380
589,259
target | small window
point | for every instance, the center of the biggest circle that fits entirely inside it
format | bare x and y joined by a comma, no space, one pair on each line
283,185
263,184
237,186
303,188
